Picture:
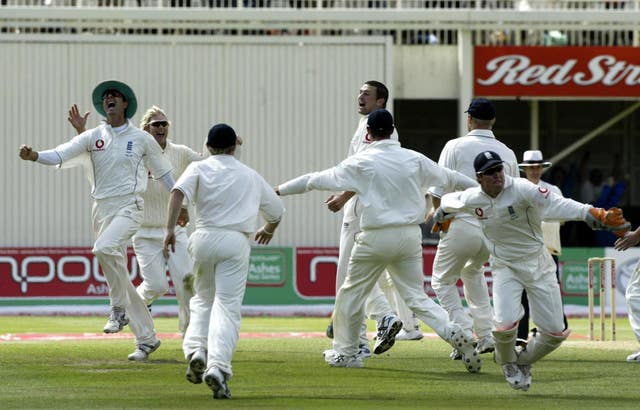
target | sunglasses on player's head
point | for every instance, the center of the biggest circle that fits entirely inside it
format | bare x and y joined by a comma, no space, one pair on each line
492,171
159,123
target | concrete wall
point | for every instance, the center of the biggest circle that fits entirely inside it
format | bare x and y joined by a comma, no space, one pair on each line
427,72
293,100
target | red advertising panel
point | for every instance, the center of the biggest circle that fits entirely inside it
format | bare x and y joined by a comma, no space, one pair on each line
55,272
605,72
316,272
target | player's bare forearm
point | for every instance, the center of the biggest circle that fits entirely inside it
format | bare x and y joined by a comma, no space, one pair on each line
175,205
265,234
183,217
336,202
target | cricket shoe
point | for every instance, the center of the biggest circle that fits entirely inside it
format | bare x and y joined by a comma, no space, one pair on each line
197,366
335,359
467,348
217,382
415,334
526,373
485,345
363,351
387,331
117,320
513,375
634,358
143,351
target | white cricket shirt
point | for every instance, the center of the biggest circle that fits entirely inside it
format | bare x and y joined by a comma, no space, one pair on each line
119,159
359,142
511,222
156,197
389,180
459,153
551,229
228,194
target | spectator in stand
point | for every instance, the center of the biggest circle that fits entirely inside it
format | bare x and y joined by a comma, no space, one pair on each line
611,194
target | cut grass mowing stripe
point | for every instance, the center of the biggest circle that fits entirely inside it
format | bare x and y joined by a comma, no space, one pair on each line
58,337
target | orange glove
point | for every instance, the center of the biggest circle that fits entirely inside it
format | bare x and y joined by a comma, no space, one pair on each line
608,220
441,226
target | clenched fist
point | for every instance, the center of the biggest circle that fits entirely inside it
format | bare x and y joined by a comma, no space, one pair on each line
27,153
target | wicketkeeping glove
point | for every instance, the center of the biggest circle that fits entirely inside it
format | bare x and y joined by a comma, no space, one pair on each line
441,221
608,220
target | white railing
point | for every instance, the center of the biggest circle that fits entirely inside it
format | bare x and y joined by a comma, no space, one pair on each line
523,5
530,22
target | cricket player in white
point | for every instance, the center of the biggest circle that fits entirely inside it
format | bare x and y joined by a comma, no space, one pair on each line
633,289
462,252
118,155
372,95
511,211
391,183
148,240
228,197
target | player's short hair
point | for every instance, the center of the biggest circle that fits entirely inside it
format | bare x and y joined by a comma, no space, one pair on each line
226,151
151,112
380,123
381,91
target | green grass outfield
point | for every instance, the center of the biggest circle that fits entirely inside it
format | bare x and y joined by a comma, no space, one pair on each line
289,372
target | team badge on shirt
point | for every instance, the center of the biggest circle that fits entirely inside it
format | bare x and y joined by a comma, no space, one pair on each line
129,148
98,145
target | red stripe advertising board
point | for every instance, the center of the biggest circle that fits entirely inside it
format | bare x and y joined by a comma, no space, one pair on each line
55,272
601,72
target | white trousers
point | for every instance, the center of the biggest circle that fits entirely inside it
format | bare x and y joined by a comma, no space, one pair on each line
377,303
462,254
633,302
115,220
221,266
148,243
536,275
399,250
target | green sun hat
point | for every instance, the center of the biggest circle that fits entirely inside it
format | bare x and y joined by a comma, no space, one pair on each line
122,88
